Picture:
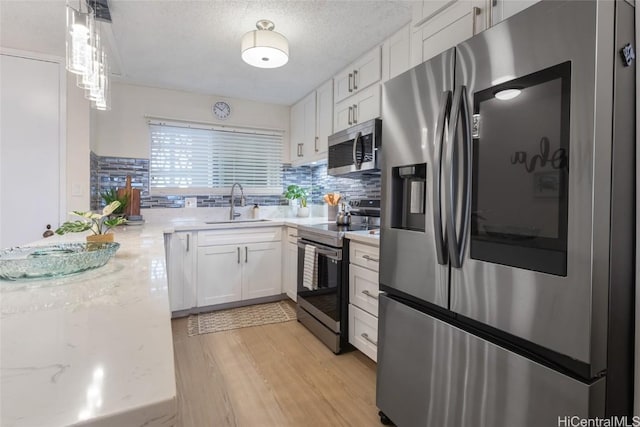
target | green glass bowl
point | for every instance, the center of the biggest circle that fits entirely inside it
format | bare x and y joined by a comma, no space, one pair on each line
37,262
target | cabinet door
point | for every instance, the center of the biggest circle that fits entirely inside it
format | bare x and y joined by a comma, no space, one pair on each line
261,270
503,9
367,70
343,115
309,139
343,84
290,263
180,268
367,104
297,130
324,118
396,56
458,21
219,274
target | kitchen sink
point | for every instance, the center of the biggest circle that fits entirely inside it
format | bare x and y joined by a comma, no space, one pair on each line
229,221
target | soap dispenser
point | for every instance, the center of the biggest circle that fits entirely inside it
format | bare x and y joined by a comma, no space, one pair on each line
256,211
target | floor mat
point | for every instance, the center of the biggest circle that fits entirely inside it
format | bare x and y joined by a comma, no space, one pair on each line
241,317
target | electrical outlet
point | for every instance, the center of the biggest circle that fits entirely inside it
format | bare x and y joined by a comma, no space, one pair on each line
190,202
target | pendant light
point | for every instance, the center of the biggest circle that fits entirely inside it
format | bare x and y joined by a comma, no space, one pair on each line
265,48
80,26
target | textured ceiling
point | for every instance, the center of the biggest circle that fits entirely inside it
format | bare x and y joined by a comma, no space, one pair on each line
195,45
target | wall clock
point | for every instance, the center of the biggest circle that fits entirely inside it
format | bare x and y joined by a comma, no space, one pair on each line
222,110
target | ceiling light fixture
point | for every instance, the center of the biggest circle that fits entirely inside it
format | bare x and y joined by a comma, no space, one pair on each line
265,48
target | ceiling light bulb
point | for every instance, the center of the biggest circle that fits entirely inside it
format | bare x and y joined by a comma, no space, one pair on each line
265,48
507,94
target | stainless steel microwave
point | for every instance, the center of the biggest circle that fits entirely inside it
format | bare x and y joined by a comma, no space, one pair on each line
354,151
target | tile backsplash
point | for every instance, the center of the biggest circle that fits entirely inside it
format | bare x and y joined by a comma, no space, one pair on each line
111,172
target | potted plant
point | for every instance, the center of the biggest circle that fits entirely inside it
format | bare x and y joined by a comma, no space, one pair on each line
99,224
110,196
295,192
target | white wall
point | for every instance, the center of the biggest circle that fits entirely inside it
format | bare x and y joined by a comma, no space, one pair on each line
123,131
77,146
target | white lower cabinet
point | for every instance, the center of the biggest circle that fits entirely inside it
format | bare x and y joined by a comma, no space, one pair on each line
180,251
363,331
363,297
219,275
223,266
290,264
238,272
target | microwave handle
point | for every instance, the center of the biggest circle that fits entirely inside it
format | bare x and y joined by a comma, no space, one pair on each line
357,162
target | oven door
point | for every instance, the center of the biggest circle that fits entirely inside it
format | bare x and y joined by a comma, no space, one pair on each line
322,299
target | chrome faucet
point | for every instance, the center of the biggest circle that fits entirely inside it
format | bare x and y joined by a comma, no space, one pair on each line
232,213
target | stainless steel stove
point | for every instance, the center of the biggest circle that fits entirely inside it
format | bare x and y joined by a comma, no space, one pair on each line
323,297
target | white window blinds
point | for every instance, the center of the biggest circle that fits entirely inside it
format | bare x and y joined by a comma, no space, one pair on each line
194,160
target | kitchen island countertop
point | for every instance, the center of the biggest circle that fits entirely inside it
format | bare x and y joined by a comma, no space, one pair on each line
95,348
92,348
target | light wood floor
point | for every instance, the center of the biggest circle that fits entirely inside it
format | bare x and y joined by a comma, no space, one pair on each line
271,375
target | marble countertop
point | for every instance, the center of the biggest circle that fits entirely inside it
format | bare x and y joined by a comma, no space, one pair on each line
96,348
93,348
370,237
201,224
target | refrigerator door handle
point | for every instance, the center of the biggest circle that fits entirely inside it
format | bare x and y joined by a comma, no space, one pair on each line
443,118
456,242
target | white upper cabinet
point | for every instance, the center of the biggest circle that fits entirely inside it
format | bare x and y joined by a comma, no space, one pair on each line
358,76
303,128
396,53
363,106
503,9
311,125
440,25
324,118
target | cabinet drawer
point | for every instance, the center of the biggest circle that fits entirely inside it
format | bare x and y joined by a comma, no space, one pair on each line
363,332
239,235
364,255
363,289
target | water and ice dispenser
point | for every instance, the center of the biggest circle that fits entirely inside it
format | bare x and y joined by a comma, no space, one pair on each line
409,197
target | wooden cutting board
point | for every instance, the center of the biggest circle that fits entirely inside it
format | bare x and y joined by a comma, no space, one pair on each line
133,195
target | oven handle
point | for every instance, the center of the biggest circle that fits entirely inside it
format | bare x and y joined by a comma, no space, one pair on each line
320,250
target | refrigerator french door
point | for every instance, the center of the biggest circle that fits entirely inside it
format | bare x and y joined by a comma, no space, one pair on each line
507,224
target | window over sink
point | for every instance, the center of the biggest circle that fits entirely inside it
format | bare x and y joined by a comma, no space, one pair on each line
203,159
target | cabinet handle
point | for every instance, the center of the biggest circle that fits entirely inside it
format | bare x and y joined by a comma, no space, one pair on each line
315,144
188,242
295,236
246,254
355,79
350,82
349,116
475,11
369,258
355,113
238,254
369,294
299,150
366,337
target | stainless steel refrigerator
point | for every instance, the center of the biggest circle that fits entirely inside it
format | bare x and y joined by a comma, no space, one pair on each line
508,222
